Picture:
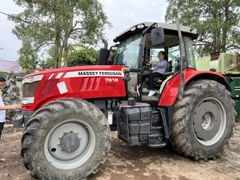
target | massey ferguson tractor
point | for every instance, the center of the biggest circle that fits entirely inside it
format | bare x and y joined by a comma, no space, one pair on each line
68,113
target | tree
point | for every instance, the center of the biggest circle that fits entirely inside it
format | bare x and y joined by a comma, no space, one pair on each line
217,22
83,57
3,74
56,25
28,57
46,64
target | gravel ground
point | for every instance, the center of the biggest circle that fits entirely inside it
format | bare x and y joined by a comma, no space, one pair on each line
134,163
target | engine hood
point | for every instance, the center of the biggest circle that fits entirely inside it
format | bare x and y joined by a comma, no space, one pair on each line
83,82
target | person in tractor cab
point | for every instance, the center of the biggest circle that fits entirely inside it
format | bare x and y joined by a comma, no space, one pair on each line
159,68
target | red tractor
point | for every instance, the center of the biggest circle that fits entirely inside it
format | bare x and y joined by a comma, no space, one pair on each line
69,113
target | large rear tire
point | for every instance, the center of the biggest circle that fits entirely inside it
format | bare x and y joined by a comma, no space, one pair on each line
66,139
202,120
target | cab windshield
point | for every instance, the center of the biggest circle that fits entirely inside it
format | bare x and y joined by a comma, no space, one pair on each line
128,52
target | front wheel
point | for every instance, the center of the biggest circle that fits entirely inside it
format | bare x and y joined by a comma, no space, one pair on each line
203,120
65,139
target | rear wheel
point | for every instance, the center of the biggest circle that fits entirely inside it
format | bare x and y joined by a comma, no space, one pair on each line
65,139
203,120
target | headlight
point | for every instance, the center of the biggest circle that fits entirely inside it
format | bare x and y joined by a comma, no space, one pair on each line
27,100
133,28
140,26
32,79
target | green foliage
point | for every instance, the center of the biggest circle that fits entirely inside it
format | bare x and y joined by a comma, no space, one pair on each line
47,64
3,74
217,22
83,57
53,26
28,57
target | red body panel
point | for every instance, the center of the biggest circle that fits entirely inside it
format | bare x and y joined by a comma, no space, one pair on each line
170,92
96,82
84,82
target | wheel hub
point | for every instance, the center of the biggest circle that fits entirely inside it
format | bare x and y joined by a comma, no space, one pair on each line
207,121
70,142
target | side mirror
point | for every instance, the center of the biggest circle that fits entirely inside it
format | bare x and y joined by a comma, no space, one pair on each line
112,53
157,36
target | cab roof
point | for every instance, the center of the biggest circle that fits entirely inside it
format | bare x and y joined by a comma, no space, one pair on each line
169,29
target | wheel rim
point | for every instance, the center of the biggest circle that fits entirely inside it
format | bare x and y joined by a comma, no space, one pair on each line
209,121
69,144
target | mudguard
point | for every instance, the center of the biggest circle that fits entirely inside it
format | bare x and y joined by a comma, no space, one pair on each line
170,91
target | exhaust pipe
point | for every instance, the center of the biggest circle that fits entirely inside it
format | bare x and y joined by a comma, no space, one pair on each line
103,54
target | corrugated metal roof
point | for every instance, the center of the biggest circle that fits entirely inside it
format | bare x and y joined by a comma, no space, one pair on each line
8,66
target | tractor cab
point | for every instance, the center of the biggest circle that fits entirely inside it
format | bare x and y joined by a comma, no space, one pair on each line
141,44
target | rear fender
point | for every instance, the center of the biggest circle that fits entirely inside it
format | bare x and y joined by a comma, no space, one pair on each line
170,91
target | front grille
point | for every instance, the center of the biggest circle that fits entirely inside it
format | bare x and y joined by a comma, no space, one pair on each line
29,89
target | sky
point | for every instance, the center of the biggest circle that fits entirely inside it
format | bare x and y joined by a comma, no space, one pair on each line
121,13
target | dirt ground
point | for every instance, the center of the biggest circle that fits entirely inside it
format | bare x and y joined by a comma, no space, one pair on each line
134,163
